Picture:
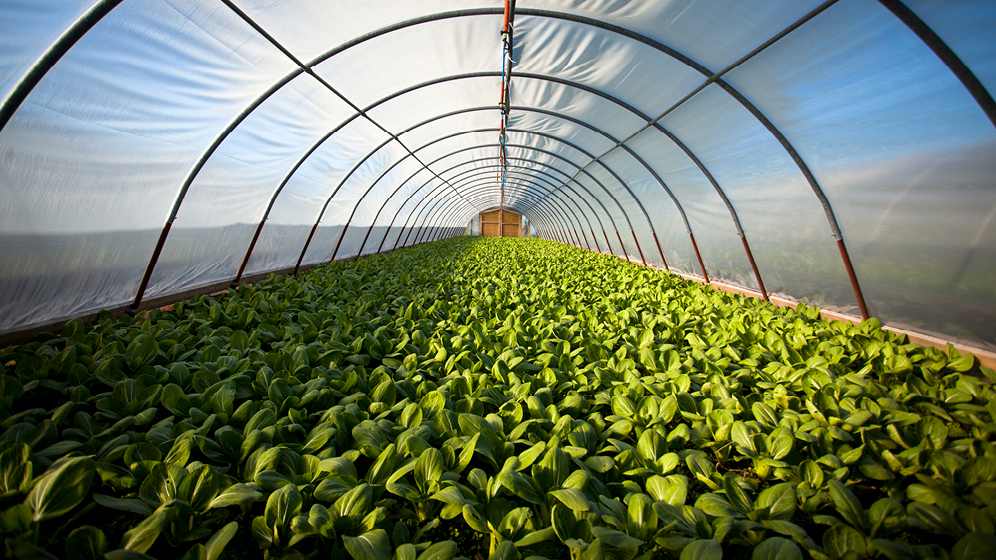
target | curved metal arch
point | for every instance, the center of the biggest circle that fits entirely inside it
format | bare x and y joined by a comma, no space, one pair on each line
518,177
440,175
579,123
560,157
684,148
572,190
430,194
636,199
385,99
442,202
436,210
490,159
27,84
443,230
549,218
516,169
469,206
432,215
493,169
454,221
360,112
568,230
482,185
589,175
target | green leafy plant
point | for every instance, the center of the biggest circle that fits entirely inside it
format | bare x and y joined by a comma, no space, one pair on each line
515,398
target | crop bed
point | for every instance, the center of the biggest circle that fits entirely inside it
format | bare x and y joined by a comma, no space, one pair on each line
500,398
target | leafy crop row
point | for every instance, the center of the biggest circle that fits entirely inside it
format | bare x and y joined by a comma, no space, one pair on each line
491,398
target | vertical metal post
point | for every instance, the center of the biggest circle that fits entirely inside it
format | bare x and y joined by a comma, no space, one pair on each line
750,257
659,250
854,279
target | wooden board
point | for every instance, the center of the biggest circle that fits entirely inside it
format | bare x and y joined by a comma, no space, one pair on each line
511,225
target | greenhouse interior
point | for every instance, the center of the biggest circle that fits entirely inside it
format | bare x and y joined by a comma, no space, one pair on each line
434,280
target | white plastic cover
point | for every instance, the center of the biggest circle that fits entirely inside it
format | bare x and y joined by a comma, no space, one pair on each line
364,125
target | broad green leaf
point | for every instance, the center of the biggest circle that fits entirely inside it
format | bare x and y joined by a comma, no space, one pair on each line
843,541
776,548
406,551
505,551
144,535
237,494
736,495
780,498
85,543
61,488
716,506
974,546
534,537
847,504
445,550
373,545
615,538
572,498
672,489
27,551
428,470
216,544
932,518
355,504
15,520
15,468
520,486
124,504
703,549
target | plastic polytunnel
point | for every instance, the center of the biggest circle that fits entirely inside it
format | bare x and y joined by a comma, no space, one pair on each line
841,153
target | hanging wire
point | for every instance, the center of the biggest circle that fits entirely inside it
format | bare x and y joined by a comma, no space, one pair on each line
503,104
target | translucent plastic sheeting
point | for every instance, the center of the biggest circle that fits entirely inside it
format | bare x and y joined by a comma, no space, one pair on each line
27,29
151,78
296,209
637,74
222,209
309,29
962,26
371,201
398,221
904,154
562,149
452,149
715,34
421,220
385,225
413,55
571,102
616,219
423,104
563,129
597,219
327,235
667,221
446,125
419,210
466,161
350,190
609,220
637,220
784,222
